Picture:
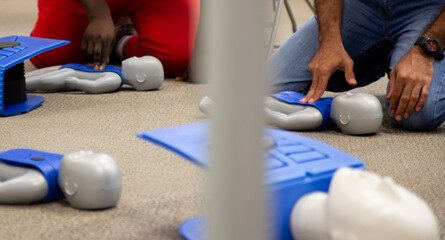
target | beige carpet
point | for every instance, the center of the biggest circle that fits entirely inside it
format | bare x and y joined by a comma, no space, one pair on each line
161,190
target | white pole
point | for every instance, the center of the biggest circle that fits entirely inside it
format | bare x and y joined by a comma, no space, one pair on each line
234,63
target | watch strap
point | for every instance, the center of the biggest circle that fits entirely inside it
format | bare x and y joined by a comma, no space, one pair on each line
422,42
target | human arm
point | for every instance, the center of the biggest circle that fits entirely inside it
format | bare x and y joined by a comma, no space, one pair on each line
99,37
331,55
411,78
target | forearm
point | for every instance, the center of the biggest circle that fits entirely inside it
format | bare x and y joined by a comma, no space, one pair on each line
329,16
437,29
96,9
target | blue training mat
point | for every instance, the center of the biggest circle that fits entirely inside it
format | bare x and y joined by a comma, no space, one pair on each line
26,47
294,166
323,104
47,163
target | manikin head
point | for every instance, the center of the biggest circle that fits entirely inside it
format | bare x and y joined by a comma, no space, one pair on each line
363,206
357,113
90,180
143,73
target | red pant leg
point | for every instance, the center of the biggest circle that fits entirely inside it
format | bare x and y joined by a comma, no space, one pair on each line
167,31
60,19
66,20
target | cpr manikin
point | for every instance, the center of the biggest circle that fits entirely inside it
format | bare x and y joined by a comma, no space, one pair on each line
363,206
353,113
88,180
144,73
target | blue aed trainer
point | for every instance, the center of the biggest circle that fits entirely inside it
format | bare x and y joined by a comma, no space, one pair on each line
294,165
13,51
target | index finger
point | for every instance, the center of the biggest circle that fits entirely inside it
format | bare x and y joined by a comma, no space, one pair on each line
320,88
107,47
395,95
312,89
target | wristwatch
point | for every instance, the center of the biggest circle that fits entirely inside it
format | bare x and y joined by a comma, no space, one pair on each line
430,46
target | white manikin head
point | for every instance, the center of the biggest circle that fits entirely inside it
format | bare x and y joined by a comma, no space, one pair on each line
363,206
357,113
90,180
143,73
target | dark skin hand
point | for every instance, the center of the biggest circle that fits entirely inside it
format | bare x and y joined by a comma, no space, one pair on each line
331,55
410,80
99,38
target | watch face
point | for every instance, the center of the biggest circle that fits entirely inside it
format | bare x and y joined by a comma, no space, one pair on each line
432,45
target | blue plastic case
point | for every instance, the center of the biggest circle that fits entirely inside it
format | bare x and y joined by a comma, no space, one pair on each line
28,48
45,162
294,166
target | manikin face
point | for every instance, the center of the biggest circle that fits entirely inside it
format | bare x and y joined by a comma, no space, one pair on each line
90,180
363,206
357,113
143,73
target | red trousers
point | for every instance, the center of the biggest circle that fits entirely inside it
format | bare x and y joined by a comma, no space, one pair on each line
166,30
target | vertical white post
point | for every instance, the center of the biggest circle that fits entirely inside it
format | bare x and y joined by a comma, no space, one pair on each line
234,64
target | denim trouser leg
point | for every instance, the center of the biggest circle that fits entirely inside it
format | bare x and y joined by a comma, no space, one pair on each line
432,114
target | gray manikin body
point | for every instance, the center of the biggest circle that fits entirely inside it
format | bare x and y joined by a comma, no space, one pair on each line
353,113
144,73
88,180
281,114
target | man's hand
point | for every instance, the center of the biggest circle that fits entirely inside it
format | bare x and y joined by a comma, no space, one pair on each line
409,83
330,57
98,40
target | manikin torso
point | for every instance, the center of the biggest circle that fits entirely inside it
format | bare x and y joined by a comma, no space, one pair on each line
353,113
144,73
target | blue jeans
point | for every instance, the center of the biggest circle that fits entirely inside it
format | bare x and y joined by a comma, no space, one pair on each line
376,34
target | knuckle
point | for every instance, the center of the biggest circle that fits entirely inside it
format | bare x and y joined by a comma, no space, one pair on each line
310,66
402,76
324,70
404,99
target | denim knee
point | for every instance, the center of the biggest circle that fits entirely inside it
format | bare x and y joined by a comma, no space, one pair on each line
424,120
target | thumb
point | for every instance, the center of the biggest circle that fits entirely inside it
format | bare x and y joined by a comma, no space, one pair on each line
349,73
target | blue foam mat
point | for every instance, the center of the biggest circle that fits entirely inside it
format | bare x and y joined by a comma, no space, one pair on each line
296,165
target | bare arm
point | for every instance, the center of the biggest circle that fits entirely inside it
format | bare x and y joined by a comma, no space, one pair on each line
331,55
411,78
329,19
437,29
98,39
